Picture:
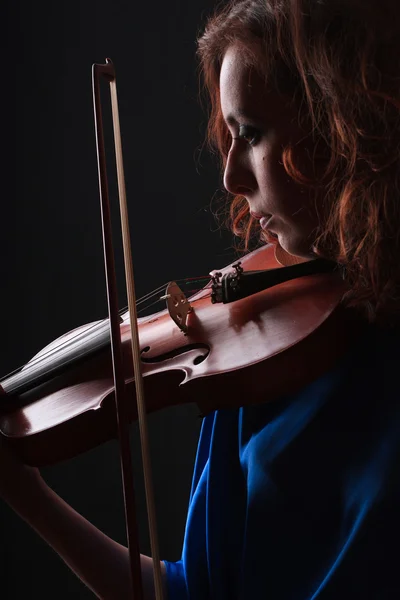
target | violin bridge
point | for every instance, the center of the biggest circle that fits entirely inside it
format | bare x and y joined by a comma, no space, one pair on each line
178,305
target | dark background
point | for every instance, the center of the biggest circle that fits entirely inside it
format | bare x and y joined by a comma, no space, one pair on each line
51,254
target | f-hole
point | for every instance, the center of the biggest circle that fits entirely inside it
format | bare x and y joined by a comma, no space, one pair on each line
204,351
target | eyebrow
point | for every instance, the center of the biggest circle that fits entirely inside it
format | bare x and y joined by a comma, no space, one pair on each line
232,118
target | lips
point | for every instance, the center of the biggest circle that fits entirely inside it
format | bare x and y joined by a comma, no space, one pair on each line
264,222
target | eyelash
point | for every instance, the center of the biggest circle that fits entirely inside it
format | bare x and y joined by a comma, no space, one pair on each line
247,131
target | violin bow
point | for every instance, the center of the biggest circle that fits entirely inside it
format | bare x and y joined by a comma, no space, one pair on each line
107,72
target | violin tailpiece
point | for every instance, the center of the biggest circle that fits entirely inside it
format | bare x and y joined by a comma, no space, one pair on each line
239,284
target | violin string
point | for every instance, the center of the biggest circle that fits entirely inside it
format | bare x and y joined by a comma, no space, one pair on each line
158,300
186,281
93,329
36,363
39,360
151,294
140,311
96,329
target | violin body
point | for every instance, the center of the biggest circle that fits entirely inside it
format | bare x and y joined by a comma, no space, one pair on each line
254,350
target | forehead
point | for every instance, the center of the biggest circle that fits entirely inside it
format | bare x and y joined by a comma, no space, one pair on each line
241,88
244,93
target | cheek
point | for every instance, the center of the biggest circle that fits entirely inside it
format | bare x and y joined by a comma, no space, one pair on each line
286,197
278,189
296,226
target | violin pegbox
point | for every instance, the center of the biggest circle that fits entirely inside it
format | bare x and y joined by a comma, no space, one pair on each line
178,305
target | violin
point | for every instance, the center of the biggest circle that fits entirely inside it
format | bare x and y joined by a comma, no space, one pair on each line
248,333
258,330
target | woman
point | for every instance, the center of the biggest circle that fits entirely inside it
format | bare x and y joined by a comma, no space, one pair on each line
298,498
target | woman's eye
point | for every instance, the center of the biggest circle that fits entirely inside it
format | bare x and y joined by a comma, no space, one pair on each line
249,134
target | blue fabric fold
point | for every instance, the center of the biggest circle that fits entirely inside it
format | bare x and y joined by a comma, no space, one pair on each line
299,499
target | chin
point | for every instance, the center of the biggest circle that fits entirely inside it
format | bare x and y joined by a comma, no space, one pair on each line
269,237
294,246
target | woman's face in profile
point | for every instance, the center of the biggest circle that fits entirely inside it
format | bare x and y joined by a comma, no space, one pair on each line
261,124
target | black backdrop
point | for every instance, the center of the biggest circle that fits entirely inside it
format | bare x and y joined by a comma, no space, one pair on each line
51,255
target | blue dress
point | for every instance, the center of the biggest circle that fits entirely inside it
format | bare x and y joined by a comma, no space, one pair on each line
299,499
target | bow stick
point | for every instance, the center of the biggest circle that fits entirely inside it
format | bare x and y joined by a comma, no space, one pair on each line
107,71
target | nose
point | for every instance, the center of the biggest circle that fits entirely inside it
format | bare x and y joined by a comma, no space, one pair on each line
239,178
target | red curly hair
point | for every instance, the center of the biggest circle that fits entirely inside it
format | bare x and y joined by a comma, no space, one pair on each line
340,59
